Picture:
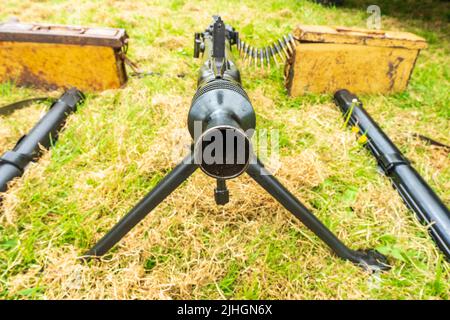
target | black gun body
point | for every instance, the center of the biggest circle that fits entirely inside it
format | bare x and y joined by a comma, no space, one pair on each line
207,72
413,189
220,106
42,135
220,98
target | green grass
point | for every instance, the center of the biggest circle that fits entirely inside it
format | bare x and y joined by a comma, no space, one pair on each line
118,146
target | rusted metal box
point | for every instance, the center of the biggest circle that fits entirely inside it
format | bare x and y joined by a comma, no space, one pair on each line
363,61
52,56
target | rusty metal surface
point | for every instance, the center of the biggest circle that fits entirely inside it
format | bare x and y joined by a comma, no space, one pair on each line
54,65
345,35
76,35
363,61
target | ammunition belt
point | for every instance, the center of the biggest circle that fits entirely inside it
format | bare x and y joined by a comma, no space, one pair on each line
284,48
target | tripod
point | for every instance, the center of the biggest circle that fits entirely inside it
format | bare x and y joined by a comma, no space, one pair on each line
369,259
220,121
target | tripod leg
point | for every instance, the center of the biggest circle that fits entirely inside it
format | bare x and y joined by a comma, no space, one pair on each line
369,259
163,189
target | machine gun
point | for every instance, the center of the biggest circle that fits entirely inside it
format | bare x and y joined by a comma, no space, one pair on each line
221,120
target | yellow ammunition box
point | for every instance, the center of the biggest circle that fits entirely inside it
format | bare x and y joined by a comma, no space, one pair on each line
53,56
327,59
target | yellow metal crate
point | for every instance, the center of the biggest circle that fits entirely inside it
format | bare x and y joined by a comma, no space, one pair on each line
363,61
53,56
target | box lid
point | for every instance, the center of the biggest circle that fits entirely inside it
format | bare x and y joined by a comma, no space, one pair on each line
49,33
346,35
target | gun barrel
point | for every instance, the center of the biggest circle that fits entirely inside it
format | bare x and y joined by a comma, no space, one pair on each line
413,189
43,134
